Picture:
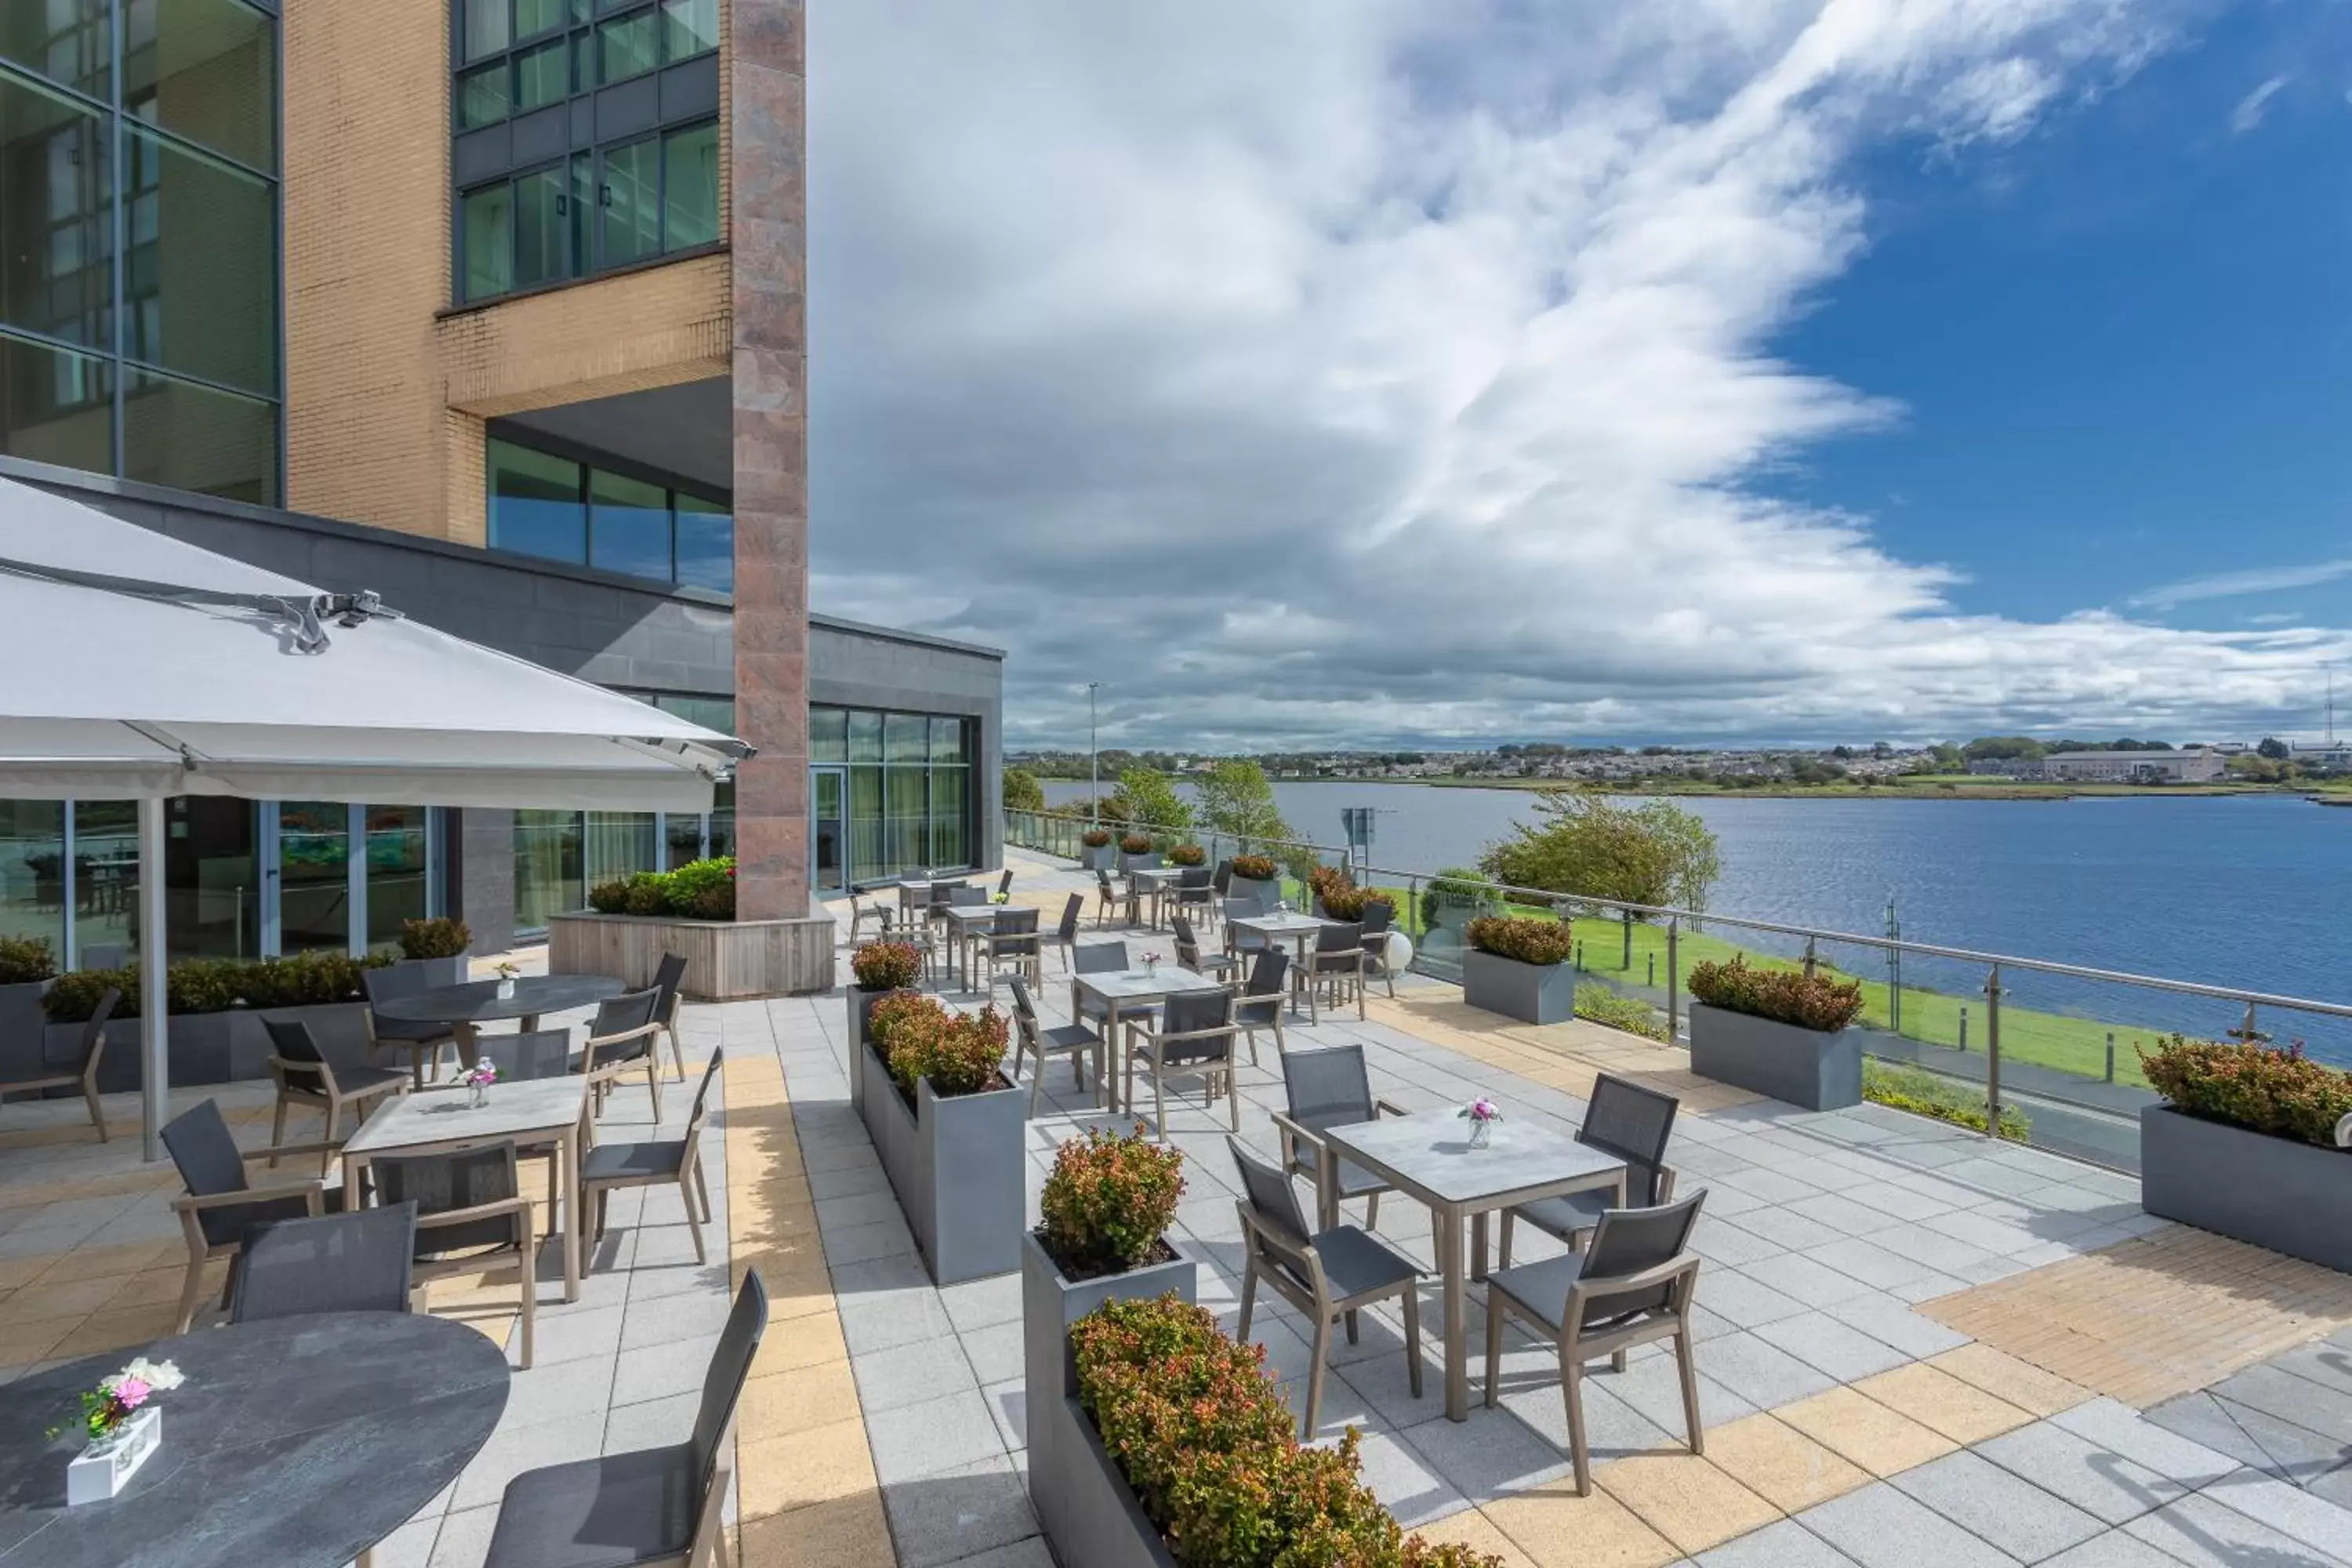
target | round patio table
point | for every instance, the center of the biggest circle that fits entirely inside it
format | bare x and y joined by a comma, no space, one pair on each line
295,1442
478,1001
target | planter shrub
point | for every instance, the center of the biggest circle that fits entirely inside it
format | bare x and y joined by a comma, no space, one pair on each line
1784,995
1523,939
1188,854
442,937
2245,1146
1780,1032
700,889
1351,903
2260,1087
1212,1453
878,969
195,986
1108,1202
1095,838
949,1130
25,960
1254,867
1136,844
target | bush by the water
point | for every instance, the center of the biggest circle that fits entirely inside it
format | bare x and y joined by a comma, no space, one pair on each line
1783,995
2268,1088
1600,1004
1530,938
1924,1093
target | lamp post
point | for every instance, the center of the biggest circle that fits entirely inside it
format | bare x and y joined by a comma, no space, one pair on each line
1094,759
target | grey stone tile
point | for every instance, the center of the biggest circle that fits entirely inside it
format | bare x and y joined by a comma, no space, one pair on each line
1872,1263
2207,1534
1407,1485
1803,1279
2119,1429
959,1513
2315,1521
1844,1352
1789,1230
651,1422
859,1209
994,1351
1985,1500
982,1303
1760,1371
1029,1553
876,1321
1842,1214
1653,1389
1487,1455
659,1370
911,1374
464,1539
1737,1299
667,1318
1880,1526
1008,1404
2106,1485
1893,1322
2116,1548
570,1391
863,1243
1787,1544
511,1451
1723,1241
2276,1392
917,1440
1612,1428
2249,1436
410,1546
559,1336
1892,1198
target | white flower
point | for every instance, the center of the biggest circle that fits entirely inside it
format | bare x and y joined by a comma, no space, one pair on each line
162,1376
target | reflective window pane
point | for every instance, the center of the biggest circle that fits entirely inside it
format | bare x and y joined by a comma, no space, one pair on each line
482,96
946,741
538,222
546,867
867,860
198,438
65,40
628,526
398,870
828,737
106,880
583,56
200,278
542,76
206,70
488,241
33,872
621,844
706,544
56,407
625,48
905,738
689,27
535,504
948,813
865,737
532,18
485,28
632,197
57,227
314,885
212,883
584,205
691,188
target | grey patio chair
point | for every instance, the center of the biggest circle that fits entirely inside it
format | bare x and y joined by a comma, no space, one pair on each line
1193,1032
221,1202
1633,1286
1221,882
1036,1039
84,1074
1623,1118
1325,1087
1011,937
1127,900
1217,965
1004,884
1242,945
649,1163
356,1262
1064,936
669,975
472,1217
648,1508
1194,891
1326,1274
424,1042
621,1036
520,1058
1377,918
305,1076
1261,1002
964,896
912,930
1097,958
1337,962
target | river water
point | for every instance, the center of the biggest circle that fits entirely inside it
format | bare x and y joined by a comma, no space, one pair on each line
2246,892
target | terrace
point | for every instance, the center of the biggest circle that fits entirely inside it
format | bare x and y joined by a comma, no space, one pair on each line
1913,1343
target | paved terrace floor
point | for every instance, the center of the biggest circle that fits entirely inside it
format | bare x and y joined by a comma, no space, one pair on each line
1917,1347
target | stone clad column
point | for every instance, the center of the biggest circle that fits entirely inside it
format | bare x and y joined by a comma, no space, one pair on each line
768,206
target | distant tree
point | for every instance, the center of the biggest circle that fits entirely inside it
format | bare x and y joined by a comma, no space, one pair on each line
2273,747
1234,798
1880,749
1023,792
1814,771
1842,753
1948,756
2000,748
1655,853
1151,799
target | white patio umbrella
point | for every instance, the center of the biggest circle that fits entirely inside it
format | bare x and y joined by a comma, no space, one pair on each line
143,667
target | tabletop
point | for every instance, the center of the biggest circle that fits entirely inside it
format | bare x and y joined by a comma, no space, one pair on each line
1160,873
441,1115
1430,1153
295,1443
1133,984
1288,923
478,1001
972,914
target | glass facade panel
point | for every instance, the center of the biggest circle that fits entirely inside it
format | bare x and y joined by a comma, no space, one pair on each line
212,883
682,840
484,28
68,41
946,741
705,543
482,96
628,525
828,736
314,876
33,872
538,223
865,737
205,69
689,27
912,813
195,439
722,816
906,844
950,816
547,871
535,504
489,223
201,269
867,860
56,407
56,223
625,48
532,18
690,187
584,210
542,76
632,202
399,869
905,738
106,877
621,844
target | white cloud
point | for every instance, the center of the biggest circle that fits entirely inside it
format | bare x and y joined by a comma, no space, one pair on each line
2253,106
2230,584
1357,369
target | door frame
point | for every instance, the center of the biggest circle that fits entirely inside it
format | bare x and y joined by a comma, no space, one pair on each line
840,773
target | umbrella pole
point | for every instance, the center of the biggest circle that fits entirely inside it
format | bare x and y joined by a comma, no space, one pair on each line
154,1023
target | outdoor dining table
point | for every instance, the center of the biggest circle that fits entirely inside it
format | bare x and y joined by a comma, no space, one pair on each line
441,1120
1128,991
474,1001
298,1442
1156,882
1289,925
1429,1156
967,923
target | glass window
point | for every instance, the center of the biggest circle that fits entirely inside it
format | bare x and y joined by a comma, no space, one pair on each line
682,836
398,868
65,40
206,70
950,814
488,224
314,875
705,543
198,438
539,225
201,274
584,60
211,883
56,274
621,844
532,18
711,713
628,525
865,737
33,872
485,28
906,846
722,818
867,860
690,187
632,197
106,877
625,47
828,738
946,741
535,504
547,864
482,96
542,76
584,205
689,27
906,739
56,407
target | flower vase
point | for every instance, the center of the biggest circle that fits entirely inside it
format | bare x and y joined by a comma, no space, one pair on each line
506,989
1150,967
477,1095
1480,1131
103,1469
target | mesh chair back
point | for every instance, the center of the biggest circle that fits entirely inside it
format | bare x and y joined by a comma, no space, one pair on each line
1068,930
356,1262
1098,957
542,1053
1261,1001
1273,1202
963,897
1328,1088
1188,945
1102,880
93,1033
1222,878
702,1095
1627,1242
205,1152
668,976
1376,920
1633,1123
722,1384
1341,938
942,894
1023,1007
1004,883
437,1184
291,1039
392,980
1188,1011
621,1015
1194,878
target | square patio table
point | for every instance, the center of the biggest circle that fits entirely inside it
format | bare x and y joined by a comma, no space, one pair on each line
1429,1156
438,1120
966,925
1130,990
1289,925
1157,882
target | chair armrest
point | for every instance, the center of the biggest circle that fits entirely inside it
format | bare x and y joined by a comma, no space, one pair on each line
293,1187
1292,1134
479,1211
1666,1273
1388,1108
625,1035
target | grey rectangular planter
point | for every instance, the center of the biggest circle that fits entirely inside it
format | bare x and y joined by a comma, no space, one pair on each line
1803,1067
1531,992
1265,891
2289,1197
23,1045
1099,857
861,1018
956,1165
1059,1464
1102,1525
214,1048
454,970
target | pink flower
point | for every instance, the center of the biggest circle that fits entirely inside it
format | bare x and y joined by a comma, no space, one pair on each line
130,1394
